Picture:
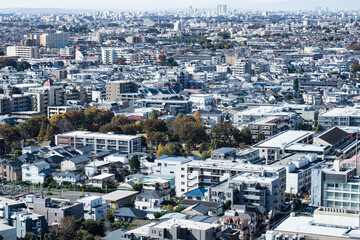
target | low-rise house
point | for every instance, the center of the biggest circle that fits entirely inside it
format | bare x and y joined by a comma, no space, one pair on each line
74,164
11,170
94,207
102,180
195,210
119,198
196,194
214,207
175,229
151,199
128,214
72,177
35,172
96,167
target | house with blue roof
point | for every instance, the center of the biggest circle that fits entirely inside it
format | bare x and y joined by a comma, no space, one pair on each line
196,194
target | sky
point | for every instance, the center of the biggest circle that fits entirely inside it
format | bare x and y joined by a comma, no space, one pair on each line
180,4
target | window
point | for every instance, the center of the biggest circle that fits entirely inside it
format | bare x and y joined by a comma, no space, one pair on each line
182,169
182,176
160,233
182,183
153,231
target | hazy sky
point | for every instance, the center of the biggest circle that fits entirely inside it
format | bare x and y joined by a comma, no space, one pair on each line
178,4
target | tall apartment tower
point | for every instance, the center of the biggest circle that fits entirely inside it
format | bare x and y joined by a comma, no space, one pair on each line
221,8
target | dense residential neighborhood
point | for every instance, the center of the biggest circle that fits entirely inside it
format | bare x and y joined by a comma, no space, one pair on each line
193,124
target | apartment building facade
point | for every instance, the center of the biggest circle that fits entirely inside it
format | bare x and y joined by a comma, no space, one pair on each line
99,141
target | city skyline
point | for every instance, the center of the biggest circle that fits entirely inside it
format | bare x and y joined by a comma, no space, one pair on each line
201,4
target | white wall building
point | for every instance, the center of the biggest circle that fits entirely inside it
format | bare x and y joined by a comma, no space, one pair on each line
202,102
23,52
35,172
94,207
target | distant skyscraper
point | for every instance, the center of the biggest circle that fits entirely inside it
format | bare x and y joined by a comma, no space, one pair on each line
221,9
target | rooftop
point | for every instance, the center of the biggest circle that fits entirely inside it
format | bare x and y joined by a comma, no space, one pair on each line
87,134
282,139
119,195
302,225
342,112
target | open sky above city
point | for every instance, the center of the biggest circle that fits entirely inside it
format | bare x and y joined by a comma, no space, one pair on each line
171,5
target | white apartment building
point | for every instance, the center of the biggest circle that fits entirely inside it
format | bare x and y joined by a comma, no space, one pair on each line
57,110
166,166
35,172
298,171
110,55
347,116
23,52
100,141
94,207
56,40
250,115
196,174
202,102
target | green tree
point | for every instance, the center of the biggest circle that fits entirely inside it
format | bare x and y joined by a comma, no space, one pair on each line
206,155
215,144
296,85
96,228
319,128
158,215
355,67
154,114
246,135
135,162
227,205
137,187
228,134
260,137
21,66
171,62
179,116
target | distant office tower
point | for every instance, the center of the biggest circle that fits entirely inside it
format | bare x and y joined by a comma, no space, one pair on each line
221,9
178,25
23,52
56,40
114,89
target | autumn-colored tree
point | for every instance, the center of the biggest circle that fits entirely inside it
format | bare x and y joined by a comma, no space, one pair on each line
197,116
42,132
11,136
159,150
50,133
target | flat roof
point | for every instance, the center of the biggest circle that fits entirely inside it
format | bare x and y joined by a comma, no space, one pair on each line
88,134
102,176
307,147
118,195
342,112
302,225
283,139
